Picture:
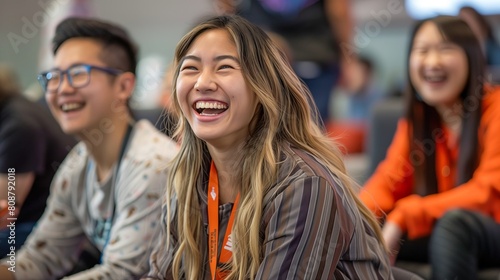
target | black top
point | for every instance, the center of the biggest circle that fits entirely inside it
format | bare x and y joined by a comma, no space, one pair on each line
31,141
307,31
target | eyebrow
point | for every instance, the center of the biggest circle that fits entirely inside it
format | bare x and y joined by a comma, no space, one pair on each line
74,64
217,58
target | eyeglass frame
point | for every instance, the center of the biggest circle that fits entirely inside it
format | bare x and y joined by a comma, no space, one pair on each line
43,81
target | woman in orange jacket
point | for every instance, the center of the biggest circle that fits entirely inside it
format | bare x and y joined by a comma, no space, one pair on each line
445,153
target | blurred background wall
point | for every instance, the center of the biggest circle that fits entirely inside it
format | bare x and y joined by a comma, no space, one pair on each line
381,32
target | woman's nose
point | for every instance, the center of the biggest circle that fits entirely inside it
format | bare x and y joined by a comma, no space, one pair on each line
432,59
205,82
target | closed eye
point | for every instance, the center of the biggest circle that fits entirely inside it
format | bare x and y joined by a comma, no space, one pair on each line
419,50
226,66
447,47
189,67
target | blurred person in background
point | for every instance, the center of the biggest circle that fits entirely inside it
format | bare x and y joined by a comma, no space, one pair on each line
314,31
363,91
484,33
108,189
32,146
359,95
445,153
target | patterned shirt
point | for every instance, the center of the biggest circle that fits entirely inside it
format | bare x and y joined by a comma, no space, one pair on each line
310,229
78,203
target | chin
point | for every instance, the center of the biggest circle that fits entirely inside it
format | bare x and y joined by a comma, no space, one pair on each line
209,138
71,129
431,101
205,137
205,133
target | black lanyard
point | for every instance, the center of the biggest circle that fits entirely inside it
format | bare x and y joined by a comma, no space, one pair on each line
108,223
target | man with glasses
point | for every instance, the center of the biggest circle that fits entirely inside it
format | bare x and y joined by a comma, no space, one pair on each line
108,189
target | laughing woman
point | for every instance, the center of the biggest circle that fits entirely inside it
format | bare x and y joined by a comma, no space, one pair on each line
257,191
444,155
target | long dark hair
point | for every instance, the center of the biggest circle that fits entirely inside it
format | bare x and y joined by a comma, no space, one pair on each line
424,120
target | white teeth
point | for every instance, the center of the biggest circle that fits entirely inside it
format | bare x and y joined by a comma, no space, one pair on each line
70,106
435,78
205,114
210,105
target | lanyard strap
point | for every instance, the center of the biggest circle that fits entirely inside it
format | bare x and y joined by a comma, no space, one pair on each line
113,187
213,226
108,223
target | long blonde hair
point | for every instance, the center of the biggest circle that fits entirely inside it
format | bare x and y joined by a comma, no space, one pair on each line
284,115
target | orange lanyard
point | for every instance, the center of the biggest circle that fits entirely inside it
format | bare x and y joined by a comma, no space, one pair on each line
213,226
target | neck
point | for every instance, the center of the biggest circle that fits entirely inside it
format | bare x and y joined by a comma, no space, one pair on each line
105,146
225,161
451,116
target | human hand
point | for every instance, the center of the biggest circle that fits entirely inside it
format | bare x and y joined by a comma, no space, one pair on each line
5,274
5,213
3,205
392,234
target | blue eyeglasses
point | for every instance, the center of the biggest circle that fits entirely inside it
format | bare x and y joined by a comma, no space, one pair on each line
78,76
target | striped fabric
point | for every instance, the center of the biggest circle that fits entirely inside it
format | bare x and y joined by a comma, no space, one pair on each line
310,229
